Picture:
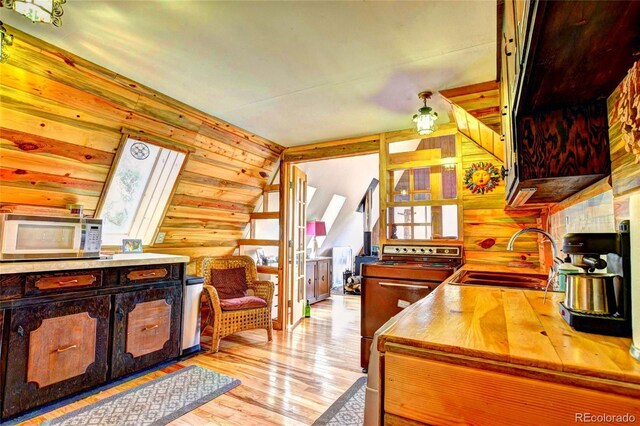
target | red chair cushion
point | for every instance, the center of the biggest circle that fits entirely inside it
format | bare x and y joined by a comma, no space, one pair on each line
237,303
229,283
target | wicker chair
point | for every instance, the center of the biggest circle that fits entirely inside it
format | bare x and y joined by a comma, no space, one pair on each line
226,322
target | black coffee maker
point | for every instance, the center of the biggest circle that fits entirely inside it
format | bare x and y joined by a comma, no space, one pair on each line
584,250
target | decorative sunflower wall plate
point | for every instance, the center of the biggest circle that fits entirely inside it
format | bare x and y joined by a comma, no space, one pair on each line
481,178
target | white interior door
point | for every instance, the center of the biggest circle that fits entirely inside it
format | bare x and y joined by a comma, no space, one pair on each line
297,245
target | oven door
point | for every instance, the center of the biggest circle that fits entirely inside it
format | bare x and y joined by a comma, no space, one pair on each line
24,237
383,298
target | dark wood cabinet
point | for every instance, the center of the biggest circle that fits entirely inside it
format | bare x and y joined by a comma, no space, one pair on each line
146,328
555,79
54,350
318,279
66,331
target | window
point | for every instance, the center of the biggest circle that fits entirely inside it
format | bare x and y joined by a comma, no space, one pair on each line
138,191
422,199
329,216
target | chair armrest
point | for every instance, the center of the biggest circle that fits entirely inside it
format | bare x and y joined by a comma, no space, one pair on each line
210,295
263,290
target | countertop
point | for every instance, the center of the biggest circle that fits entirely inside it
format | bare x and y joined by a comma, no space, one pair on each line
132,259
509,326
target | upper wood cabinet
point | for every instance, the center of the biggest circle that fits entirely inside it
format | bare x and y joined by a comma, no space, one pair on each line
555,77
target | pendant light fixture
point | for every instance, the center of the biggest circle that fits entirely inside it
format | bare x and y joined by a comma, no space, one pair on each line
426,117
6,40
47,11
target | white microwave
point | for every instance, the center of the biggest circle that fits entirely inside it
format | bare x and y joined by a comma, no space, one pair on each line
33,237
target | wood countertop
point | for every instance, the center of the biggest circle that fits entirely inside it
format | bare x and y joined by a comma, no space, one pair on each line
509,327
132,259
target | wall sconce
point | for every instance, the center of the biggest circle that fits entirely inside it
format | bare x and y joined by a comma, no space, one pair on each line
426,117
47,11
6,40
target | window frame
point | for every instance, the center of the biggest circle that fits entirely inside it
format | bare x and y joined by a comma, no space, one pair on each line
160,143
389,165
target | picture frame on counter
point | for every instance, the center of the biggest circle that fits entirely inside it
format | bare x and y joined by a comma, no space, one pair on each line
131,246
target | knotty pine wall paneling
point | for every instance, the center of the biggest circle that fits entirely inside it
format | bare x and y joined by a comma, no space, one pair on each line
61,120
487,226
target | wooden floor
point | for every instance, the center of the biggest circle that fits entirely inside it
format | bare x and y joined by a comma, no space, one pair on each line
289,381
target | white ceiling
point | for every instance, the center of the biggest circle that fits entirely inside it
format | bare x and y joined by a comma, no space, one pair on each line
293,72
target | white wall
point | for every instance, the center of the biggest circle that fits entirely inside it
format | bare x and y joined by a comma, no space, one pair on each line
349,177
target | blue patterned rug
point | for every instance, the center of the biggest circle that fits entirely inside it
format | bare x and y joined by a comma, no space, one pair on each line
348,410
156,402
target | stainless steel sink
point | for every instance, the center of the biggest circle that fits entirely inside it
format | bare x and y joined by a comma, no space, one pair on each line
502,279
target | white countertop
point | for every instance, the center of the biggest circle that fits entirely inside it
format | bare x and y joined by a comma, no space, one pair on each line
132,259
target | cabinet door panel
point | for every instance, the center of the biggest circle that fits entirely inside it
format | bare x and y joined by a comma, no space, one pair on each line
55,350
311,281
323,281
61,348
146,328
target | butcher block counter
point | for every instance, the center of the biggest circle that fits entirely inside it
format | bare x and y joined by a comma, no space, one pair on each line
496,355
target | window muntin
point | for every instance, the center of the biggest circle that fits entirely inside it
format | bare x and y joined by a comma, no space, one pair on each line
138,191
423,222
422,199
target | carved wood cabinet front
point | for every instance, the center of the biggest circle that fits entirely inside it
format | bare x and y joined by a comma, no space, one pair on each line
55,349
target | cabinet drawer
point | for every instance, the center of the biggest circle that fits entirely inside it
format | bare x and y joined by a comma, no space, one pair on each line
62,281
55,349
146,328
449,394
145,274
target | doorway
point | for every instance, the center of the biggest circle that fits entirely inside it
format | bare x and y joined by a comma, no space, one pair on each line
337,177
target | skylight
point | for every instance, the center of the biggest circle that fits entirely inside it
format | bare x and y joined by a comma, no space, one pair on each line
138,191
330,215
311,191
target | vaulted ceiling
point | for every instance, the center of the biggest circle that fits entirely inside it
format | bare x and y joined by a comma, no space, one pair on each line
292,72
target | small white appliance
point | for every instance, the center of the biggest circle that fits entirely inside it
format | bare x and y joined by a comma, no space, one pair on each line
191,314
35,237
372,391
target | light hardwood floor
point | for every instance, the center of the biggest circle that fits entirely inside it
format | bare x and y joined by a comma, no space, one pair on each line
289,381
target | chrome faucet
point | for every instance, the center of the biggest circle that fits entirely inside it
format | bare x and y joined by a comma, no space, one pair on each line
554,246
553,273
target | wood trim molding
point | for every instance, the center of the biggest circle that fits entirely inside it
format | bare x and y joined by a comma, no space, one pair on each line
145,136
333,149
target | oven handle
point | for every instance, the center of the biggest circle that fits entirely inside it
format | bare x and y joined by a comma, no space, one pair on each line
383,284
